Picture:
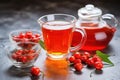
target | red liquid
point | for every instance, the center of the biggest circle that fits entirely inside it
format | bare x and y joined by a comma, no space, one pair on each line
57,38
97,37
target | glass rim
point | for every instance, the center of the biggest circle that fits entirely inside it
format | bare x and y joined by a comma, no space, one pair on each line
20,30
58,14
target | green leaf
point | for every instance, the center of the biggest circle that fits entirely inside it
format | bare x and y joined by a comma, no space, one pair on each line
104,57
42,44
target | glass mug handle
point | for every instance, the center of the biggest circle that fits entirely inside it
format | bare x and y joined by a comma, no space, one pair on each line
83,39
110,20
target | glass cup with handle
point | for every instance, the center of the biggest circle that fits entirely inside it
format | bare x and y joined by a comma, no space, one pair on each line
57,30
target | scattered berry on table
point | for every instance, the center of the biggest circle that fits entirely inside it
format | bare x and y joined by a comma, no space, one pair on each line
35,71
77,59
78,66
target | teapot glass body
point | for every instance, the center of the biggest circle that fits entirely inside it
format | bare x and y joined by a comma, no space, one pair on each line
99,28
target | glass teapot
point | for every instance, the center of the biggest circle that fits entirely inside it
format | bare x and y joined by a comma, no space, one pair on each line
99,28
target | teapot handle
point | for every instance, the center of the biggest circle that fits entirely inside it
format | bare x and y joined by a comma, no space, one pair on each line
82,41
110,20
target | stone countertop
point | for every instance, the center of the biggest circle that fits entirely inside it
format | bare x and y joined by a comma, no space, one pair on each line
17,14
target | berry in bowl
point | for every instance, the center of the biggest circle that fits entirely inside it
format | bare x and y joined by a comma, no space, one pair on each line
23,57
25,35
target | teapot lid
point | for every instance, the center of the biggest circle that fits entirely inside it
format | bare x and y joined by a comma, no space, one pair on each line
89,11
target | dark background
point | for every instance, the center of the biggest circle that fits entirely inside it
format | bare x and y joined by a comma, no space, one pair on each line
15,14
23,14
112,5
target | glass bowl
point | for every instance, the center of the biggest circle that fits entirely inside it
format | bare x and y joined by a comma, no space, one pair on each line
23,57
25,35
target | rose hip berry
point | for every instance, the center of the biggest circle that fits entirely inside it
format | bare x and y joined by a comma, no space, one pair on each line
24,55
91,60
23,59
87,54
77,55
98,65
35,71
28,34
21,35
37,35
14,56
78,66
77,61
27,37
71,59
18,53
96,58
84,58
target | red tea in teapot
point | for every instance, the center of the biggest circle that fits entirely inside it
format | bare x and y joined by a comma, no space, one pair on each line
99,28
97,37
